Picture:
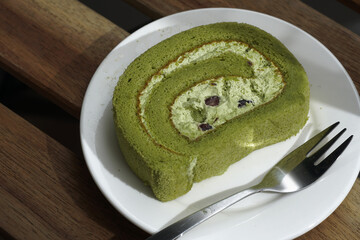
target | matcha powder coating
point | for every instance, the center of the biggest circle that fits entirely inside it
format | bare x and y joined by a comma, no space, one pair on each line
201,100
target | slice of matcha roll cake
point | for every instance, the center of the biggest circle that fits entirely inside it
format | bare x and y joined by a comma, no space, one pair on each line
201,100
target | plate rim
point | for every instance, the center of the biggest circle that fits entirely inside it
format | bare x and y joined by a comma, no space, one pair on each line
123,210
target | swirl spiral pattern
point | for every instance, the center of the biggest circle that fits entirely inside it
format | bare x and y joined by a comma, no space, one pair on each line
192,105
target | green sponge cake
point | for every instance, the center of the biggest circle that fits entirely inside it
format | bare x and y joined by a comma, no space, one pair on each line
201,100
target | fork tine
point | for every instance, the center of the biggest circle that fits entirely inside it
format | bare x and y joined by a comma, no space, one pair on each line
329,160
323,149
320,136
290,161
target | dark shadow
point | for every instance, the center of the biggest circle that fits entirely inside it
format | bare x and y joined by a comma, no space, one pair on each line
339,12
5,235
79,187
120,13
72,171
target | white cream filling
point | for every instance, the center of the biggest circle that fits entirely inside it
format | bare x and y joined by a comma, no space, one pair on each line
267,82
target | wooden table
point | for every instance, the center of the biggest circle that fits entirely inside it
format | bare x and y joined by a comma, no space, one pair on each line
53,46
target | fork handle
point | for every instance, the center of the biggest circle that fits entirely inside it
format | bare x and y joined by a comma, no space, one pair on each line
180,227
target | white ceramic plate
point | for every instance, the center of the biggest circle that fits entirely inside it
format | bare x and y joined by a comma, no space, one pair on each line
262,216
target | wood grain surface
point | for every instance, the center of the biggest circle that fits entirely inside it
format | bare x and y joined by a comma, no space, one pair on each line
343,43
353,4
344,223
46,191
55,46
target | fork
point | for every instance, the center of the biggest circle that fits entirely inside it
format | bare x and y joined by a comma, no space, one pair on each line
293,173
